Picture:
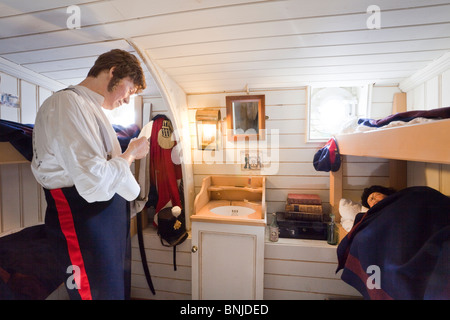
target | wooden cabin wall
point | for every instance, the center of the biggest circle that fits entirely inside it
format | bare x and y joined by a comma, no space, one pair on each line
22,201
286,111
430,94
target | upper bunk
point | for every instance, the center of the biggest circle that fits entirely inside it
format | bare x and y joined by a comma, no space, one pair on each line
425,142
15,142
10,155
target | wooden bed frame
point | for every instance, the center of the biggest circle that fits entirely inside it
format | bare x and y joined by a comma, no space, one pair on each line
427,142
10,155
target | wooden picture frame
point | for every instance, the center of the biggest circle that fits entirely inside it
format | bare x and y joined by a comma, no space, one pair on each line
246,117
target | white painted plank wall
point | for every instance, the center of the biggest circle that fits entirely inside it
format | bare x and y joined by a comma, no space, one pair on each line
303,270
430,94
22,201
168,283
286,110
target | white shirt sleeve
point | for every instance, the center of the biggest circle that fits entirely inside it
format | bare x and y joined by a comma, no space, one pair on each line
74,137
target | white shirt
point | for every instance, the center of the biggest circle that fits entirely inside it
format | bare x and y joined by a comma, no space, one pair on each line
74,144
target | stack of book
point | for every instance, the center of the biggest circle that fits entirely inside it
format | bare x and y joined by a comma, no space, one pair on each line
303,218
303,207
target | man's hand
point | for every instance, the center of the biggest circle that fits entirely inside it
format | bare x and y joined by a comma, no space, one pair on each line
137,149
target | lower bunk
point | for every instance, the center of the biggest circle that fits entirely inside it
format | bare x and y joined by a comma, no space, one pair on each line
400,247
28,269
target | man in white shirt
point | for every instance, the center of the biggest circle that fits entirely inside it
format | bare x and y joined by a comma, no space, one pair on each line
87,179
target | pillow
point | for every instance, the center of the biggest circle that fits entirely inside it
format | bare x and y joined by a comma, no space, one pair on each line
348,210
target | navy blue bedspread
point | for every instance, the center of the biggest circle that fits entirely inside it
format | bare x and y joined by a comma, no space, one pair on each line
28,269
400,249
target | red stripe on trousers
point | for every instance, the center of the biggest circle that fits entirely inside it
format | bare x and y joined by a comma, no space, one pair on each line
68,228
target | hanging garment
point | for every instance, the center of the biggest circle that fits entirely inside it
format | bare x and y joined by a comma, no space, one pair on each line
163,185
164,174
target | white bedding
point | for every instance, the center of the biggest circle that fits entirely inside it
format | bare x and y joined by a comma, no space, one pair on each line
348,211
352,125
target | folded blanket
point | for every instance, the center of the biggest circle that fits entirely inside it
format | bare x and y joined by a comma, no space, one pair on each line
439,113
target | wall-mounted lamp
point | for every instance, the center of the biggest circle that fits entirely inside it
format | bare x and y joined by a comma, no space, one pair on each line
208,129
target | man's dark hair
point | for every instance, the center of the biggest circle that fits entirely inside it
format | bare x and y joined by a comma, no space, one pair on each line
126,65
368,191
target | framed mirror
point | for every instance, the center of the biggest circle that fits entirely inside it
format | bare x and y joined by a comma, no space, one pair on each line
246,117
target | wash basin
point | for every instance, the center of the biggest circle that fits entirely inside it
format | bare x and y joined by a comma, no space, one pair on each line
231,200
232,211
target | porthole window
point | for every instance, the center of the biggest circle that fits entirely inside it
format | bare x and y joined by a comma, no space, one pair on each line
329,108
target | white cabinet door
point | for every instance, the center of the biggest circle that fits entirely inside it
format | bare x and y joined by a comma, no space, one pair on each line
228,262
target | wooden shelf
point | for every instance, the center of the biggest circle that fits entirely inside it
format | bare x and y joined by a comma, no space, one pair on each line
235,188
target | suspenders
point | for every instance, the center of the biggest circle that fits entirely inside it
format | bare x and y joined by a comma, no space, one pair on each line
103,131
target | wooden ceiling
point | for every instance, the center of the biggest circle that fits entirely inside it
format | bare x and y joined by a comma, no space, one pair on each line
231,45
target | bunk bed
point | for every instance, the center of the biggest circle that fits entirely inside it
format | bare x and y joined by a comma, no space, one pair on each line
27,266
406,236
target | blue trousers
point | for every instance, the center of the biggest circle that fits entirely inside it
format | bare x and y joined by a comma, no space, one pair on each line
92,243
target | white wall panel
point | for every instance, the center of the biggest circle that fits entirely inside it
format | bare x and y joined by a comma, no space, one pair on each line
445,85
28,103
43,95
432,93
22,200
10,197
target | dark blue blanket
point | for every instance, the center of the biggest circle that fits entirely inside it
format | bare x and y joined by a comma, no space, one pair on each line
438,113
28,269
400,249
